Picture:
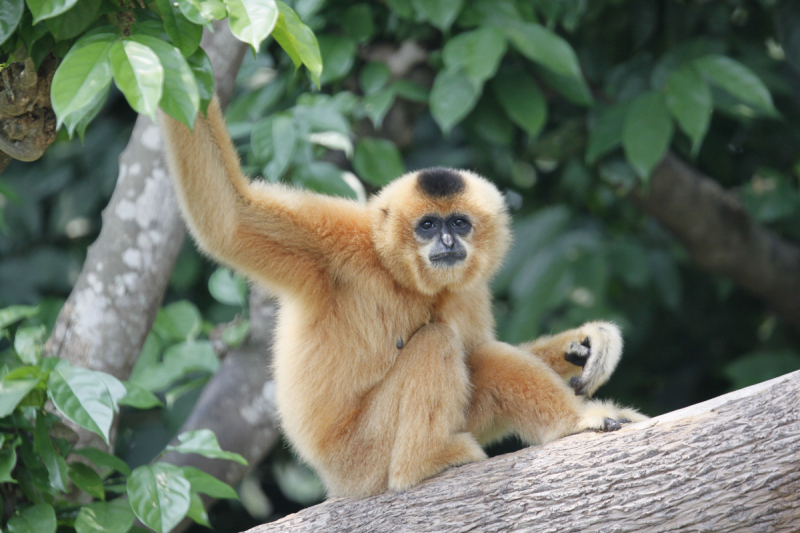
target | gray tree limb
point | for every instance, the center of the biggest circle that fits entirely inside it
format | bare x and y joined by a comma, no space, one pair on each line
109,313
722,237
729,464
238,404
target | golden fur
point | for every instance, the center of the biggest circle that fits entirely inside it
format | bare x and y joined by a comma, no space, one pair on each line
365,410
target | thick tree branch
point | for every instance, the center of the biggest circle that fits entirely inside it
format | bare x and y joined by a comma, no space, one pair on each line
109,313
729,464
722,237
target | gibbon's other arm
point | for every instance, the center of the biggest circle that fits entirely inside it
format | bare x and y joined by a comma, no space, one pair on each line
283,237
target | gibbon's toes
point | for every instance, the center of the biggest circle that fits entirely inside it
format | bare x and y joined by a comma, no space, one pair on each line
603,343
609,424
578,353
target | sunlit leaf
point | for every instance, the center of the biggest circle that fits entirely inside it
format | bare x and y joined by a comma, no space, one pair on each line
140,398
45,9
10,15
227,287
12,391
197,511
252,21
178,321
15,313
477,53
298,41
80,396
28,343
139,75
180,99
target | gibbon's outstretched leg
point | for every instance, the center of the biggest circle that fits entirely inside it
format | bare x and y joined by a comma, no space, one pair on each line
587,355
430,383
514,392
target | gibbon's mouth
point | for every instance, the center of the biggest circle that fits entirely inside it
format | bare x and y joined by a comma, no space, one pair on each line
450,258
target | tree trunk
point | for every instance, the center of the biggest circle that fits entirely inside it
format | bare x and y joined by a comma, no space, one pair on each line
109,313
729,464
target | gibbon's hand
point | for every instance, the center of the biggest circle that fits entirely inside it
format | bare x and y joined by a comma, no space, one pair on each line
598,354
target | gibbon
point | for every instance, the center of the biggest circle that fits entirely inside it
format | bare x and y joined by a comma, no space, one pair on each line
386,365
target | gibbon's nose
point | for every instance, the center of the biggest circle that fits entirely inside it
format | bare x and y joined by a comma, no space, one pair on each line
447,240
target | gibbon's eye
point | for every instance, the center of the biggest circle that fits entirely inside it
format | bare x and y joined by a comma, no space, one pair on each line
426,225
460,223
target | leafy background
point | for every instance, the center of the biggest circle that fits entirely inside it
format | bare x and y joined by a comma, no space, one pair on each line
567,105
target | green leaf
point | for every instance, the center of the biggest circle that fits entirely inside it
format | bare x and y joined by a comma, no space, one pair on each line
252,21
87,480
111,517
15,313
10,15
183,33
376,105
81,397
116,390
204,442
522,100
325,178
298,41
159,495
35,519
646,133
338,56
228,287
45,9
8,460
357,23
12,391
545,48
573,89
53,461
181,99
667,279
452,98
377,161
28,343
689,101
284,138
140,398
786,16
84,73
139,75
75,21
410,91
197,511
605,133
737,80
236,333
203,12
477,53
178,321
374,76
208,484
204,76
179,360
440,13
104,459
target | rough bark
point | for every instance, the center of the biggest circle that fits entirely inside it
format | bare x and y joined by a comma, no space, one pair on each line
730,464
109,313
238,404
722,237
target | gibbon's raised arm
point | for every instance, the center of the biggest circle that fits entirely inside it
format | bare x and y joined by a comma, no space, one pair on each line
281,236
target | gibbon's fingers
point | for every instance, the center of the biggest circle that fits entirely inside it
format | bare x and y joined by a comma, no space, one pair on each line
598,354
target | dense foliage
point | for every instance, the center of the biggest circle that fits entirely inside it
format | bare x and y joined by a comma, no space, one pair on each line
567,105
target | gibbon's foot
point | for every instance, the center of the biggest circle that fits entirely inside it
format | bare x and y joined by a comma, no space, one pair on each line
603,416
598,354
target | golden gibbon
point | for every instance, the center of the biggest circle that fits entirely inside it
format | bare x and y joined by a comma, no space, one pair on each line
385,360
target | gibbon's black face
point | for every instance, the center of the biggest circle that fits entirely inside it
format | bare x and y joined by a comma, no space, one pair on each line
446,234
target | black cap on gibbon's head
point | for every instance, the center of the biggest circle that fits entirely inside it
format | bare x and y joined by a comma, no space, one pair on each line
440,182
